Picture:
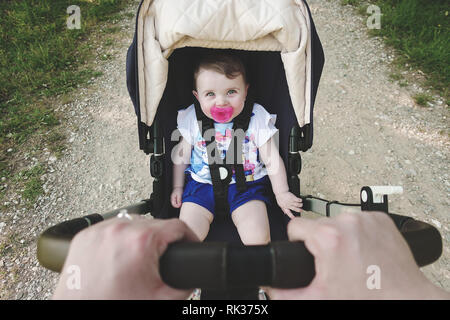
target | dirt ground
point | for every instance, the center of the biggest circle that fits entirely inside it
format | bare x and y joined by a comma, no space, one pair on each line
367,131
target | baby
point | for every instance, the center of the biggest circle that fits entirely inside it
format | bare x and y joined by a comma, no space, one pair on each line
221,89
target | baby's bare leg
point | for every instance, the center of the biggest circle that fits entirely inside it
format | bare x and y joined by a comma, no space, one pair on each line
197,218
252,222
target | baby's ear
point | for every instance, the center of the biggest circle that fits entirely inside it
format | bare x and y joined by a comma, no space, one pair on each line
195,94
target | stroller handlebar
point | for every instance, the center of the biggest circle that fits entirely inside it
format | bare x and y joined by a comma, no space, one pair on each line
222,265
280,264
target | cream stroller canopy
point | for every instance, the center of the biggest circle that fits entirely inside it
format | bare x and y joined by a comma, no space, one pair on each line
252,25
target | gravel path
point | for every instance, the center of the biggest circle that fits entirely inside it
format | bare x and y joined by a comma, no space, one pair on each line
368,131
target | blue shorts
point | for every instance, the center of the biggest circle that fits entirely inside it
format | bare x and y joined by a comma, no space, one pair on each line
203,194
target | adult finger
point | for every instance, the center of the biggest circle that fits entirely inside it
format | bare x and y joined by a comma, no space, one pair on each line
173,230
308,293
299,229
158,234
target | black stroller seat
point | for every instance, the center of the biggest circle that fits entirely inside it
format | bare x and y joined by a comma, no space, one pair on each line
268,82
269,88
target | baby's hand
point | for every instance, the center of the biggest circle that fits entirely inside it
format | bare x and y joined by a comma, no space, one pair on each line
175,197
287,202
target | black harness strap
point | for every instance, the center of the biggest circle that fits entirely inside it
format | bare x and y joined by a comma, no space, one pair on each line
221,184
241,122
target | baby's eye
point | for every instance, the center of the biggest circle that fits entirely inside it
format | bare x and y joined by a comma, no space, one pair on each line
210,94
232,91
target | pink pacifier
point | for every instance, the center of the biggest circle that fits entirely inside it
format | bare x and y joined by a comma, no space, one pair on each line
221,115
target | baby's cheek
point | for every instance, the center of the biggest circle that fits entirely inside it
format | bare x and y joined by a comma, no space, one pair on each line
207,110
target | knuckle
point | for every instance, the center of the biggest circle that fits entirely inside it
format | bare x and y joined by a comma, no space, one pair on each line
351,219
329,235
85,235
380,216
174,226
116,228
383,220
178,226
173,223
140,239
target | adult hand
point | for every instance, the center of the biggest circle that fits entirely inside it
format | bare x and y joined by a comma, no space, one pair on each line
350,252
119,259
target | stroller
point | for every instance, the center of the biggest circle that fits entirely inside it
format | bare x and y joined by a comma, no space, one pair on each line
278,43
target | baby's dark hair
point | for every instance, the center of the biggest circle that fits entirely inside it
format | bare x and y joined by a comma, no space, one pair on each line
229,65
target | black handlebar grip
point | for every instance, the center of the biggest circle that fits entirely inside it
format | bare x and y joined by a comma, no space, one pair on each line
424,240
294,272
219,265
185,263
53,244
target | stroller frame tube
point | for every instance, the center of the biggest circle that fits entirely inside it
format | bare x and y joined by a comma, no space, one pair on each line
283,264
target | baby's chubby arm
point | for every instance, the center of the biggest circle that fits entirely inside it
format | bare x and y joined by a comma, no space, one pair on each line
181,156
277,174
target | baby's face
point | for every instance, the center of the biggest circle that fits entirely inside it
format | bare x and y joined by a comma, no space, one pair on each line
221,98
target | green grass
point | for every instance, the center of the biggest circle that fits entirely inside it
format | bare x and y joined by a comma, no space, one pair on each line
32,183
422,99
40,58
351,2
420,31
